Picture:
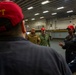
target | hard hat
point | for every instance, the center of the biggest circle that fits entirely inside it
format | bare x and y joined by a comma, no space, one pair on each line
42,29
70,27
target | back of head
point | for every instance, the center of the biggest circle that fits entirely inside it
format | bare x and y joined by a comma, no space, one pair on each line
10,15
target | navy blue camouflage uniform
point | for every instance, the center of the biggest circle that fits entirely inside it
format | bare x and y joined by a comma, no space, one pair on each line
70,46
21,57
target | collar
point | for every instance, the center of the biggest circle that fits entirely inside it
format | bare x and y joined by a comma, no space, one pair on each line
32,34
12,38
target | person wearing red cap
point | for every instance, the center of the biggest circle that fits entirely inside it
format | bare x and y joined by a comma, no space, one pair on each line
43,28
45,38
19,56
69,44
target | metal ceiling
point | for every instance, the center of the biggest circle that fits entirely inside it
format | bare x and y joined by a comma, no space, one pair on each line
51,7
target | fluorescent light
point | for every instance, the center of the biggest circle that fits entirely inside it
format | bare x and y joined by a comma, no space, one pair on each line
26,19
45,2
41,17
28,33
30,8
45,11
33,19
27,26
53,13
70,11
37,14
60,8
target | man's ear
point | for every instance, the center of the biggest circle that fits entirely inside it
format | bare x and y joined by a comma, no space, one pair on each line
23,27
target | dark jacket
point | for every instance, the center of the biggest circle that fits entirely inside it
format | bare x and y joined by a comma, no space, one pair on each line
72,65
21,57
70,46
70,43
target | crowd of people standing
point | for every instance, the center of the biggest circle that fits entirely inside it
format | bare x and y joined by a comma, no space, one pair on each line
18,56
69,44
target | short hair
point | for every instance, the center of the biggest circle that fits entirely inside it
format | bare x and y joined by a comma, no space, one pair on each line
9,27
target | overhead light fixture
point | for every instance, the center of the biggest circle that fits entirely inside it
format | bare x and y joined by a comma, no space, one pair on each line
70,11
60,8
30,8
41,17
37,14
27,26
45,2
53,13
33,19
28,33
26,19
45,11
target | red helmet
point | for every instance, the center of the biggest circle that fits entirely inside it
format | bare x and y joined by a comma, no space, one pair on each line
70,27
42,29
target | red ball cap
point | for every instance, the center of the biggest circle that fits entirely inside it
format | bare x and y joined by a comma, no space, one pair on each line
70,27
11,11
42,29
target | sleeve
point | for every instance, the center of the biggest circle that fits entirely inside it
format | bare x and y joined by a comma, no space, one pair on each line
71,44
66,43
72,65
54,64
61,64
64,47
64,68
